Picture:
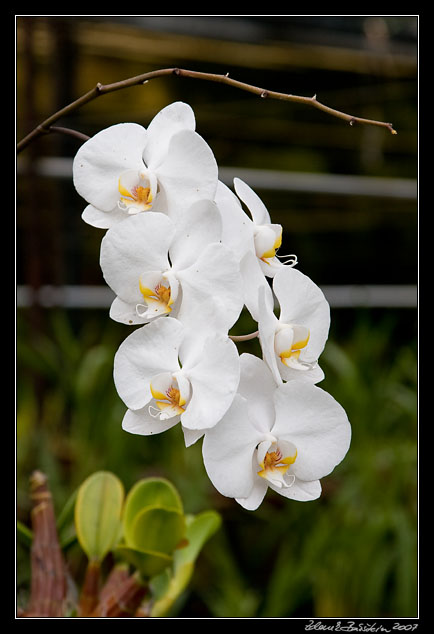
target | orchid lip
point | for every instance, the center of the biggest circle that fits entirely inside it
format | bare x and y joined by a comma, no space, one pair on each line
275,459
289,341
267,242
171,393
138,190
159,291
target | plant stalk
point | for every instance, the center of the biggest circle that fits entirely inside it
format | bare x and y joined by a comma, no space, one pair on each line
46,126
90,589
48,583
124,599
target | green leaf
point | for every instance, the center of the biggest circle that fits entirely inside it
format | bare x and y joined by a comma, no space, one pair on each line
67,513
157,530
147,563
98,510
149,492
24,534
199,529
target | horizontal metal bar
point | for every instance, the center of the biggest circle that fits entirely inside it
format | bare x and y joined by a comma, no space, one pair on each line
323,183
338,184
341,296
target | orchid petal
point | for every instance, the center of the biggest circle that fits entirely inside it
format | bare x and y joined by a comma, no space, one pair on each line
100,160
191,436
253,280
257,494
314,373
142,422
133,247
271,266
228,449
302,302
197,227
252,201
266,240
212,295
214,380
188,172
102,219
300,490
145,353
257,386
267,326
316,423
170,120
125,313
237,231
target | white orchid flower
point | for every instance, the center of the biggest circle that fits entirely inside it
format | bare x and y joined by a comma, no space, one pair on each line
292,343
238,231
247,237
267,236
126,169
157,268
283,437
165,376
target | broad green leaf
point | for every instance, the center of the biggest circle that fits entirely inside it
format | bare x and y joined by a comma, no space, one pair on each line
199,529
97,516
149,492
147,563
157,530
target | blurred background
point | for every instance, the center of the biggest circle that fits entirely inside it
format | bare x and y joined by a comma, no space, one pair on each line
347,199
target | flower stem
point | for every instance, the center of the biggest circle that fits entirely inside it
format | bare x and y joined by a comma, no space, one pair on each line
251,335
46,126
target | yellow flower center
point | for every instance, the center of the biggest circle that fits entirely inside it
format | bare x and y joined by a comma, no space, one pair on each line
137,191
170,402
274,465
289,341
158,298
139,195
270,253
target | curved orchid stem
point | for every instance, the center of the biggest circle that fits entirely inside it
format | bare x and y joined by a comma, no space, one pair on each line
69,132
252,335
46,126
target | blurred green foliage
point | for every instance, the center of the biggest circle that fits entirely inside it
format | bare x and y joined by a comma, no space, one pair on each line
352,553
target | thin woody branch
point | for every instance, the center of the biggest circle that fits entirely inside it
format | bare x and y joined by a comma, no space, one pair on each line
46,126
